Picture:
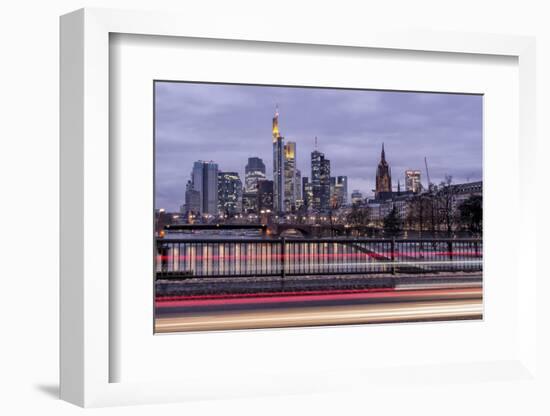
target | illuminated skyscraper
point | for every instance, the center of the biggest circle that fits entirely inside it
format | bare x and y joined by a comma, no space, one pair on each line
204,179
278,166
338,191
320,181
383,176
254,173
316,180
290,176
230,191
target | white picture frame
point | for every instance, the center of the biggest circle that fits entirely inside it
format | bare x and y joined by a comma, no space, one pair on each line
86,355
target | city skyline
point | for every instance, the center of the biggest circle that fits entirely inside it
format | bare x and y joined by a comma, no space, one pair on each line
351,126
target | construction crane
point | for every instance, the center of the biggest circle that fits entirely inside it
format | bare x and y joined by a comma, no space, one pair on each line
427,173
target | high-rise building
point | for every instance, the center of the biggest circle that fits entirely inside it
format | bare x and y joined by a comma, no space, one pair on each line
192,200
254,172
298,190
290,176
325,185
342,181
316,157
412,181
332,188
320,181
230,191
307,193
278,166
356,197
338,191
250,202
383,176
204,179
265,196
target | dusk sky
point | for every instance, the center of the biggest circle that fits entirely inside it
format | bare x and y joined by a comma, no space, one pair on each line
229,123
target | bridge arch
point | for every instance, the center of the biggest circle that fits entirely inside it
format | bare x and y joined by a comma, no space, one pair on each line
285,229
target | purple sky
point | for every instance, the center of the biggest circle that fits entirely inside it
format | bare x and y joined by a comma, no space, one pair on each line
229,123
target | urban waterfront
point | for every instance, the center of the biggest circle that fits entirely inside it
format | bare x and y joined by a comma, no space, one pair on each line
296,235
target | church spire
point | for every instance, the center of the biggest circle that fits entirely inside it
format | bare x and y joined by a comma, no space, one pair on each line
383,176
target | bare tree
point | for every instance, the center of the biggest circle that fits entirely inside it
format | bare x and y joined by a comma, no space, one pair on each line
446,201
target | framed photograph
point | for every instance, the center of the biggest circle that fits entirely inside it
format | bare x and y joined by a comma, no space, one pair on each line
305,230
274,214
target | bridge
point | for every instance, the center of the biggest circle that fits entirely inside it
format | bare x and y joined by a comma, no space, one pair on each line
192,227
305,230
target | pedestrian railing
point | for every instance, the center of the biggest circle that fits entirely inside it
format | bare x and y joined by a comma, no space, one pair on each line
200,258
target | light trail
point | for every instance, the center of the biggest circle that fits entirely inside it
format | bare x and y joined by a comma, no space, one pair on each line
321,296
335,315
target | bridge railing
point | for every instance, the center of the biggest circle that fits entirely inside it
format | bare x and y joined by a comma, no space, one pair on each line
201,258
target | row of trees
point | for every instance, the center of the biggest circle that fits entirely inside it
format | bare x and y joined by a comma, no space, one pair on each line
438,210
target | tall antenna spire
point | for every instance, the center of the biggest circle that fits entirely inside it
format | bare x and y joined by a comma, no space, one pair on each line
315,142
383,152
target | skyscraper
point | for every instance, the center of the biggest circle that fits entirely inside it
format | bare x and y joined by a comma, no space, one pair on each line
383,176
290,176
192,200
265,196
343,182
320,181
315,202
204,179
298,189
338,191
254,172
412,181
325,185
278,166
307,193
230,190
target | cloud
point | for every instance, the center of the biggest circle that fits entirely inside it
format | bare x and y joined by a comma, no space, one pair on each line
229,123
